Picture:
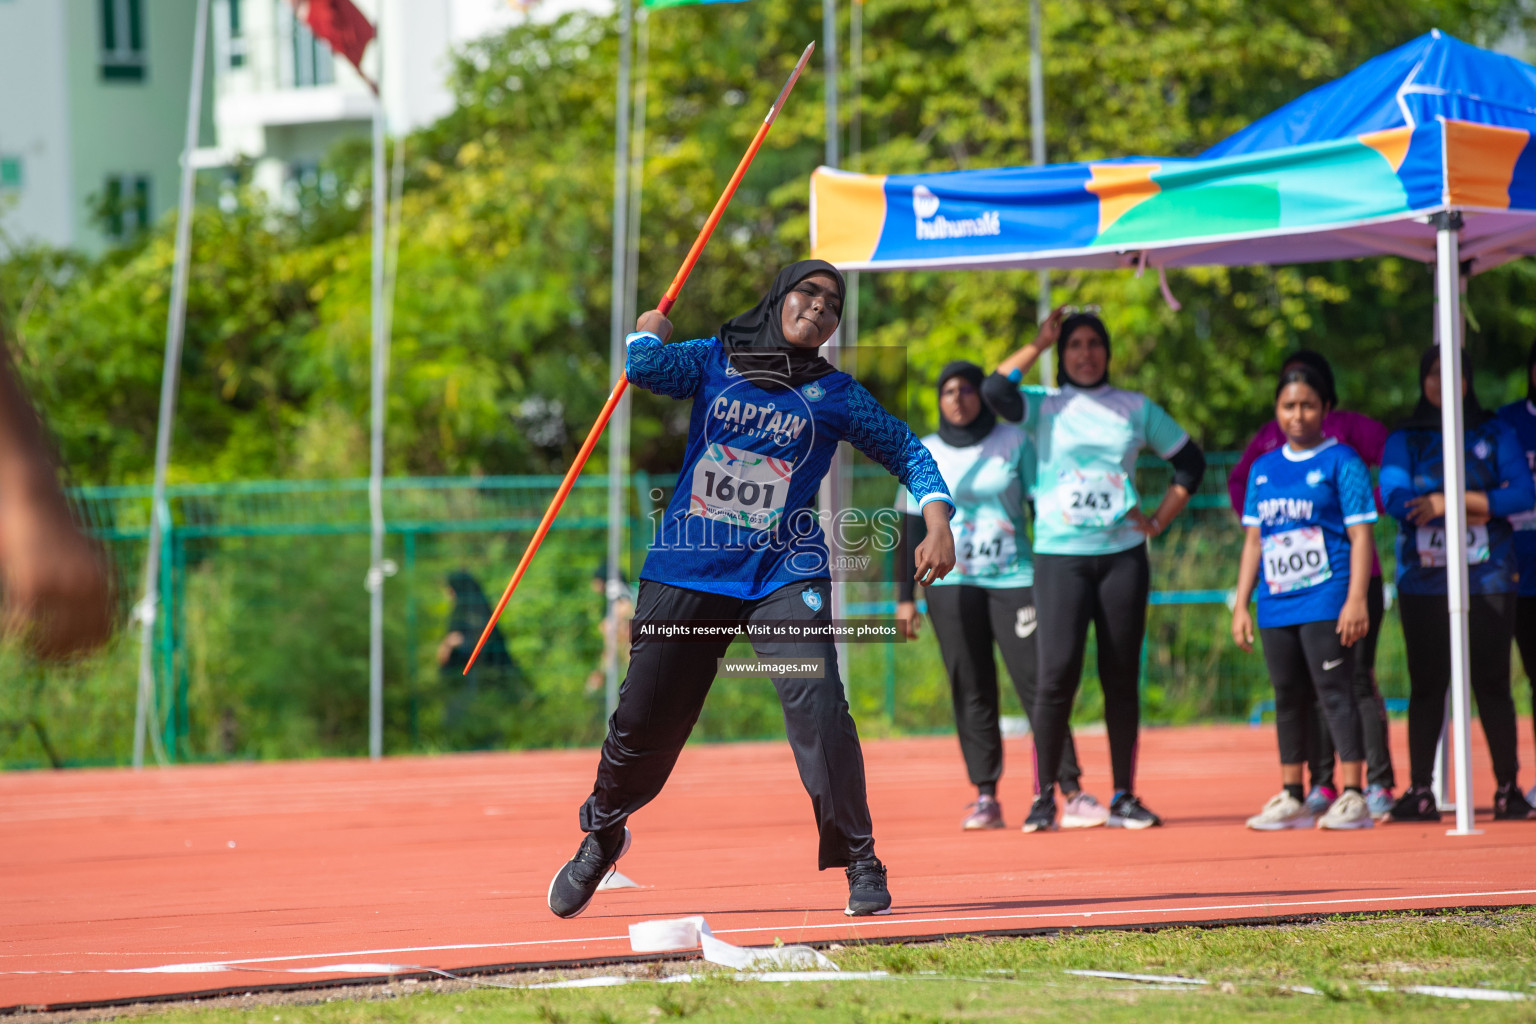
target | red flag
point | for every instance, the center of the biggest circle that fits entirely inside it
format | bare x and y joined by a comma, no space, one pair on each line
342,26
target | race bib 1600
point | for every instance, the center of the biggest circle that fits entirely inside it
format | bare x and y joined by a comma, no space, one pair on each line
1295,559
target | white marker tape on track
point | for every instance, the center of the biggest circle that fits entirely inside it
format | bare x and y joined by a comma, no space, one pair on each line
860,924
693,932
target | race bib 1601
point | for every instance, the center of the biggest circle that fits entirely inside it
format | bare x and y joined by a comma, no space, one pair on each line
737,486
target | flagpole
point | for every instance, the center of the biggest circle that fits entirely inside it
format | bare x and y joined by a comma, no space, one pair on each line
832,495
618,329
618,467
1037,148
374,582
175,331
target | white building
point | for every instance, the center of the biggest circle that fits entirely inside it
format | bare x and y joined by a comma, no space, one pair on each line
283,100
93,110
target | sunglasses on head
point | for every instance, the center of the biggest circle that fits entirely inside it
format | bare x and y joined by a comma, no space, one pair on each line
1092,310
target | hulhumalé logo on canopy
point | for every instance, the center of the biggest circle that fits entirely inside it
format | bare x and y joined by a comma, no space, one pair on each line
933,225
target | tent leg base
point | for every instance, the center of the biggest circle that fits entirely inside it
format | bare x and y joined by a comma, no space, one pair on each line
1459,832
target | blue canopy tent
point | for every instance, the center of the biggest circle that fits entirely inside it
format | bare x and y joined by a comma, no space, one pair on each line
1424,152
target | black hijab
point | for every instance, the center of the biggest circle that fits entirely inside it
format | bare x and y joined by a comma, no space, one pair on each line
976,431
1069,325
1315,360
1530,361
1426,416
754,341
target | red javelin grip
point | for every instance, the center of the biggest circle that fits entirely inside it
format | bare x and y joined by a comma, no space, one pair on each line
665,306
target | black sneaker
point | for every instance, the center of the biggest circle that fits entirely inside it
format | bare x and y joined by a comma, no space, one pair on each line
1127,811
867,894
1042,816
573,886
1509,804
1418,804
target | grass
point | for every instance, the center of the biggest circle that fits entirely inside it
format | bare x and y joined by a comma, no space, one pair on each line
1250,970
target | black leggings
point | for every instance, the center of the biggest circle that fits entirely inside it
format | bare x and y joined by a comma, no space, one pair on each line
1525,639
967,621
1308,665
1109,591
1373,710
664,691
1426,634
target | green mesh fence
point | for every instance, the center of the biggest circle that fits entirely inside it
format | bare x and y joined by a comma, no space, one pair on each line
261,642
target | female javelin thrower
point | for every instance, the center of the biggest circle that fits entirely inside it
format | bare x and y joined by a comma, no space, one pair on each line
740,544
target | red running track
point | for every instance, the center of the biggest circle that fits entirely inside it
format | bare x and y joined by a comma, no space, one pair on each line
233,877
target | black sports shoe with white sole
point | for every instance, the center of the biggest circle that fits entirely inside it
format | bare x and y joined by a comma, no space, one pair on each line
1042,815
1127,811
574,885
867,894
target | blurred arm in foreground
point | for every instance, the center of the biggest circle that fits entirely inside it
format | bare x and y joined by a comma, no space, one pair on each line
55,582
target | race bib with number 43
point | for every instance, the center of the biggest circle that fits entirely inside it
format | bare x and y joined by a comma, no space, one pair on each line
1431,544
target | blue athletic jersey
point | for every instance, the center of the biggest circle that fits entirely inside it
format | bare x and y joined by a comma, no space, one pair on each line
742,519
1521,418
1303,504
1412,465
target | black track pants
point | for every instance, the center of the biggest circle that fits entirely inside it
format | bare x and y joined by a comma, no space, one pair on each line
1525,639
1426,634
664,690
967,620
1373,710
1109,591
1307,666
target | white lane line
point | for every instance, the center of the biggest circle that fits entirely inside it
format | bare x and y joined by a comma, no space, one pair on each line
860,922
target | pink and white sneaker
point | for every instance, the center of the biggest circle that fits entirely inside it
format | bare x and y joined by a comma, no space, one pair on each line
1083,811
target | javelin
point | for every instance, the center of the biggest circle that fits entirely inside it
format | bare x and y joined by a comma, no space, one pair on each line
663,307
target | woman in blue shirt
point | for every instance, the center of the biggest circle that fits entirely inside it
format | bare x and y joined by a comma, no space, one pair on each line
1307,514
740,545
1521,418
1498,485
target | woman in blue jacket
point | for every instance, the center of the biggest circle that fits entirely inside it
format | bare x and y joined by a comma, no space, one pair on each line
1498,484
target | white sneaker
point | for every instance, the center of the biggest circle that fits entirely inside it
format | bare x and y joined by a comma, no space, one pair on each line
1083,811
1281,812
1348,811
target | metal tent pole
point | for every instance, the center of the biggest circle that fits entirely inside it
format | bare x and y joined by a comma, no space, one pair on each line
1448,285
617,330
175,331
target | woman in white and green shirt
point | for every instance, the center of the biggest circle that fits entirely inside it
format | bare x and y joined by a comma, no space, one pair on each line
988,599
1090,540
